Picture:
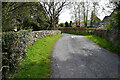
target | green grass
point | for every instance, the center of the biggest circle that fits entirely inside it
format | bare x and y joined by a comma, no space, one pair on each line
104,43
37,63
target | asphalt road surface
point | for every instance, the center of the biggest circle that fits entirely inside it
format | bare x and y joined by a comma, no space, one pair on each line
74,56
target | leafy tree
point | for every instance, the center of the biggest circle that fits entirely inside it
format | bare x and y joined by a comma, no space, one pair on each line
23,15
117,16
114,20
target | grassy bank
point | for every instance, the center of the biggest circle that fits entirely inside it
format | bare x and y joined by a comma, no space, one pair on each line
100,41
104,43
37,63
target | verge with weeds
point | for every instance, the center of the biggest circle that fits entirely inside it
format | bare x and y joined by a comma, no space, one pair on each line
37,63
104,43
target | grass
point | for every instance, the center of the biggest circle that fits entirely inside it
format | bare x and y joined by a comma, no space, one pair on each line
104,43
37,63
100,41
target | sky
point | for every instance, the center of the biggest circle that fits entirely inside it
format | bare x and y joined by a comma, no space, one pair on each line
65,16
66,13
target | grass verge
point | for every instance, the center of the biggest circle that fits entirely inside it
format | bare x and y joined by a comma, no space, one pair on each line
104,43
37,63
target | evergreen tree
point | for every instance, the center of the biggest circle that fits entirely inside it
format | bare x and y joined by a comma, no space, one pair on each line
66,24
70,23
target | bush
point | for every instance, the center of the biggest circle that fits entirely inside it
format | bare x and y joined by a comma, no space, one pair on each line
61,24
14,45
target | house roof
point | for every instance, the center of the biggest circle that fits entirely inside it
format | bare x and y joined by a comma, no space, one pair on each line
107,17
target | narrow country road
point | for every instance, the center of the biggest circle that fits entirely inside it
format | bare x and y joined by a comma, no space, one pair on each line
74,56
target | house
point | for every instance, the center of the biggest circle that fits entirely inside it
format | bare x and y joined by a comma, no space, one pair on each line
106,20
81,24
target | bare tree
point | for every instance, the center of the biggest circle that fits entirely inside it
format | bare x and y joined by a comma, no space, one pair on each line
75,12
85,12
79,12
82,9
95,10
53,10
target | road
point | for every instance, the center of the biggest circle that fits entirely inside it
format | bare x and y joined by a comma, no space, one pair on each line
74,56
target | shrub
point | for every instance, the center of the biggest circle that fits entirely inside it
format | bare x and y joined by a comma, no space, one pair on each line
14,45
61,24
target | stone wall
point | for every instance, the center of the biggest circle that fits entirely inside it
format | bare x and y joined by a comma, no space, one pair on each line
14,45
41,34
110,35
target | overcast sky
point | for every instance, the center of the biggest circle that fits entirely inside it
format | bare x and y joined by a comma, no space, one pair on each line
66,16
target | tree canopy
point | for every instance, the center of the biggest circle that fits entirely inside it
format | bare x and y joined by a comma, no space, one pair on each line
23,15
